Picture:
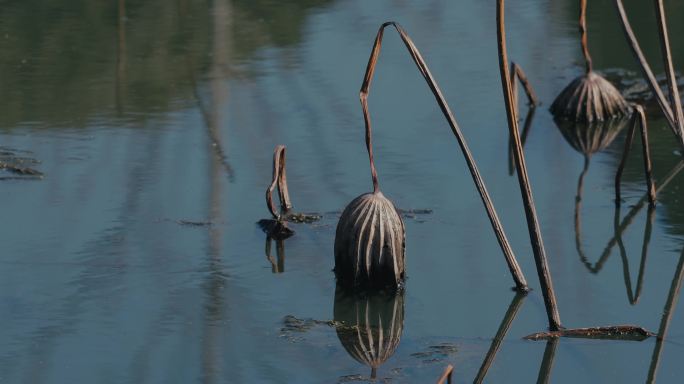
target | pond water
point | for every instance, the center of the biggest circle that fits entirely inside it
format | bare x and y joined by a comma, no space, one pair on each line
136,258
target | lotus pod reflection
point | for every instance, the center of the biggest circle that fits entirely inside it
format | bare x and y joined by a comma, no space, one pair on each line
371,325
369,242
589,138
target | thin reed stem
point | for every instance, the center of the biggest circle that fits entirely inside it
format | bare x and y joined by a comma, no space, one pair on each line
523,179
583,32
648,73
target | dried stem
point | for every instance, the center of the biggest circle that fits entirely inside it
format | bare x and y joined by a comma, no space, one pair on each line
583,32
675,101
525,189
516,71
523,138
648,73
513,266
639,116
613,332
446,375
279,179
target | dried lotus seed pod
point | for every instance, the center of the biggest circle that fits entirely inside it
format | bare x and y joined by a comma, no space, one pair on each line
370,242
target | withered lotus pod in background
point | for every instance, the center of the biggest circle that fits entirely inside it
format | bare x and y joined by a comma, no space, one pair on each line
370,324
589,97
369,242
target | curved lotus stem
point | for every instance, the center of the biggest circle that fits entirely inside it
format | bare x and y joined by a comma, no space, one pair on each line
279,179
513,266
583,31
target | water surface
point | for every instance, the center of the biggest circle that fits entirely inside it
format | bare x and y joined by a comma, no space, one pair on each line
136,258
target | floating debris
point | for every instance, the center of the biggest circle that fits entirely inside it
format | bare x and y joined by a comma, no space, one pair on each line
615,332
16,165
436,353
191,223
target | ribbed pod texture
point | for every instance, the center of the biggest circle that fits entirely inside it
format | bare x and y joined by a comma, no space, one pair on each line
369,243
590,98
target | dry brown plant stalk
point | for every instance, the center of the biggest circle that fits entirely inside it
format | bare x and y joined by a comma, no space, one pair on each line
511,261
589,97
279,180
639,116
673,111
446,375
525,188
556,330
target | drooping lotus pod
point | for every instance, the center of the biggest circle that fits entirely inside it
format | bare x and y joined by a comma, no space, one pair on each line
589,97
369,242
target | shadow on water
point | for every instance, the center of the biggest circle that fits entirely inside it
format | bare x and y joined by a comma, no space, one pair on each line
372,324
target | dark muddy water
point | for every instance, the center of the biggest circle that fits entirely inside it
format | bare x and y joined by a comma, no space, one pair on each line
136,257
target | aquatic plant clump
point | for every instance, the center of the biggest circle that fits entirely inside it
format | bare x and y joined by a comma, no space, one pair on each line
370,242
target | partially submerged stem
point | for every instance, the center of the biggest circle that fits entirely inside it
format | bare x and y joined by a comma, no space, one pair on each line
639,116
279,180
523,138
525,189
516,272
648,73
517,71
675,101
583,32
